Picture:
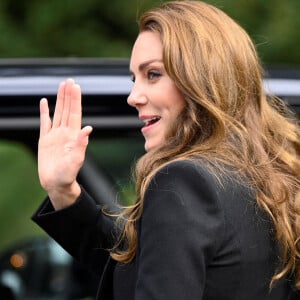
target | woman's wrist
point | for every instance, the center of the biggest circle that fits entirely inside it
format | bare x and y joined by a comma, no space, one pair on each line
64,197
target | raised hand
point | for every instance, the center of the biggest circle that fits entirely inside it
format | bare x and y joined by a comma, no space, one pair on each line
62,145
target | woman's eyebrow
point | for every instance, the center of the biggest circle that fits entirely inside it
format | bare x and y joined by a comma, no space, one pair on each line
143,65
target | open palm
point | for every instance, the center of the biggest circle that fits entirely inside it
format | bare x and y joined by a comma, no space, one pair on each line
62,144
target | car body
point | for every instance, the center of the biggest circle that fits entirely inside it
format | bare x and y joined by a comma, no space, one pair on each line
37,268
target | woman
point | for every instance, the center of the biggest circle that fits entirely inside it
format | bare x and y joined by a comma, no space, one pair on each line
217,212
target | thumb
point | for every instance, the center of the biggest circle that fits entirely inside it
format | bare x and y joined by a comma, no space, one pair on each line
84,134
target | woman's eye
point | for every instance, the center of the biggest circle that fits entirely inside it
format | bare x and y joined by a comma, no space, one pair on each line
153,74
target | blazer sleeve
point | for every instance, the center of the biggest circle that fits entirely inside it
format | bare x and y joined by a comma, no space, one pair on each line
179,233
81,229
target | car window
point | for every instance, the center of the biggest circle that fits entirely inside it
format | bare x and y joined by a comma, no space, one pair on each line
25,249
21,192
116,156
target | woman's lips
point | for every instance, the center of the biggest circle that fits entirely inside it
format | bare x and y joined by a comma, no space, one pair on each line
149,122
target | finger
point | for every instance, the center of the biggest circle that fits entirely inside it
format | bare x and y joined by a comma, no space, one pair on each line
83,138
45,121
67,101
59,105
75,108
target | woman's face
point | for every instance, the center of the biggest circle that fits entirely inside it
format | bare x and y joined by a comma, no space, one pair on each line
154,94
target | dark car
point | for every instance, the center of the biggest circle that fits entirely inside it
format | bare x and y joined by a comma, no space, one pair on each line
33,266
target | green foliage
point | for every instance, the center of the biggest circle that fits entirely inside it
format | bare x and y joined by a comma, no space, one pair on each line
20,193
273,25
67,28
100,28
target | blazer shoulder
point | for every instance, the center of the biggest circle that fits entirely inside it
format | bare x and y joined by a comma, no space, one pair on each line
184,184
195,170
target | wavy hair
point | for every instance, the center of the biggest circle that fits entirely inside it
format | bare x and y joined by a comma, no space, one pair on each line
228,119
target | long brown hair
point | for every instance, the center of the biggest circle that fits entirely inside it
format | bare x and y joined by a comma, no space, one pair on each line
228,118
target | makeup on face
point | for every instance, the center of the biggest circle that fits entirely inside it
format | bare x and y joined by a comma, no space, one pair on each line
154,95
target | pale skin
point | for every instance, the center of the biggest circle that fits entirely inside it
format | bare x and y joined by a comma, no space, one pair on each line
63,141
154,94
62,145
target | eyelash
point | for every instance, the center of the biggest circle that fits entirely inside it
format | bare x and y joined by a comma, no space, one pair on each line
151,75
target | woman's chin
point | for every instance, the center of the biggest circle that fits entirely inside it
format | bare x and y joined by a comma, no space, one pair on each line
149,146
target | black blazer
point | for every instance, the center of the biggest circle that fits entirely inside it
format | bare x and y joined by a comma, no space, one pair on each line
199,237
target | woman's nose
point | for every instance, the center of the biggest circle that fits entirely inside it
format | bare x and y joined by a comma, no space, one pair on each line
136,97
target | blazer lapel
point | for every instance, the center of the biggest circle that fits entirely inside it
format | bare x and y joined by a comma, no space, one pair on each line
105,289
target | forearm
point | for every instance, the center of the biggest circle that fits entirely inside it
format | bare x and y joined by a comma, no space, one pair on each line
81,229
